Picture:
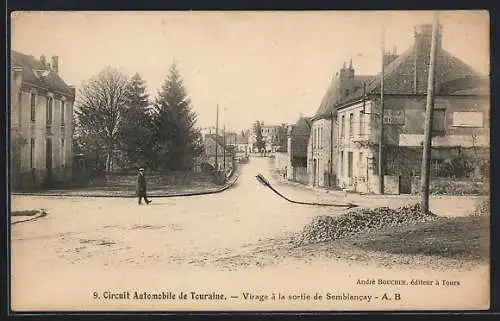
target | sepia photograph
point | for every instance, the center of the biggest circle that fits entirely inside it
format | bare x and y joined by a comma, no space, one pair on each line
182,161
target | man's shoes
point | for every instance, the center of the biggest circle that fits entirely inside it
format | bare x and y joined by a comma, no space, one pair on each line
147,202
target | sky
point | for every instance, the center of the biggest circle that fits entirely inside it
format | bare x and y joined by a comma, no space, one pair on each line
270,66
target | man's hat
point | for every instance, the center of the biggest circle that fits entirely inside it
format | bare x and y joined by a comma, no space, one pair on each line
141,169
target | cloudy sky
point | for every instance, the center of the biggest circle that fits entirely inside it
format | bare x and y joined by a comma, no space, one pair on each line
271,66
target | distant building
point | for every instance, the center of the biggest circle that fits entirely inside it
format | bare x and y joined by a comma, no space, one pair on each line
41,122
345,131
212,155
270,136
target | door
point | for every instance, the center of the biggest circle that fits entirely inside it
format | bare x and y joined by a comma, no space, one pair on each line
48,159
405,184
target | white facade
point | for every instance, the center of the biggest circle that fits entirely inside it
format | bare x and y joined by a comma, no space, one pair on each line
355,159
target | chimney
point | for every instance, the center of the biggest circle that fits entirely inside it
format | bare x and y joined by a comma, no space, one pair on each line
390,57
346,81
422,47
43,60
55,64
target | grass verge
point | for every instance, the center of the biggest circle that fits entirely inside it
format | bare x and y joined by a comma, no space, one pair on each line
462,238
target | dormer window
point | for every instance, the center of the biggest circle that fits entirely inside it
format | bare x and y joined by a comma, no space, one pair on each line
41,72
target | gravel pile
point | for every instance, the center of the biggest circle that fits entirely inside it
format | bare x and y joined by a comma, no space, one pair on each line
360,220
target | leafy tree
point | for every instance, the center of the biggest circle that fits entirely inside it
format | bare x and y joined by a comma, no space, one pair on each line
177,140
99,111
280,138
259,139
136,128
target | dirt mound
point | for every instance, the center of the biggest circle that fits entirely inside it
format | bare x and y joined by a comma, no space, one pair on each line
360,220
483,208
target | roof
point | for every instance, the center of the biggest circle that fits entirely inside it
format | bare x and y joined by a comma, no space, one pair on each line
453,77
219,139
240,139
51,81
398,75
331,97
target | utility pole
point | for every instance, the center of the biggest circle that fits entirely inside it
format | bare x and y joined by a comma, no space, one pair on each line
224,145
429,108
216,137
381,137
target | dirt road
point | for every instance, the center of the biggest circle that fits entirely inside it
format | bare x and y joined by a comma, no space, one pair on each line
86,249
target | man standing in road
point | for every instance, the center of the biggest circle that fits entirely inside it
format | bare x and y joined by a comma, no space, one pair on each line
142,186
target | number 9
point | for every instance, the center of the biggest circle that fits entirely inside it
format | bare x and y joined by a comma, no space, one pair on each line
96,295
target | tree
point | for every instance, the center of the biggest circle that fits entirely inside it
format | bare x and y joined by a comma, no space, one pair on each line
177,140
99,110
259,139
136,130
280,138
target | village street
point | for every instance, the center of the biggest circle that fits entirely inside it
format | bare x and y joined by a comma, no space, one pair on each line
87,245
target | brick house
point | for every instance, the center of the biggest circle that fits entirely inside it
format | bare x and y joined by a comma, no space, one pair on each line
41,123
460,124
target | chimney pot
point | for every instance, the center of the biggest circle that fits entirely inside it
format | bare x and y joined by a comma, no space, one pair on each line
55,64
43,60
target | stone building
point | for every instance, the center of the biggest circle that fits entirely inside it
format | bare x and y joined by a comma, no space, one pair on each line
41,123
352,106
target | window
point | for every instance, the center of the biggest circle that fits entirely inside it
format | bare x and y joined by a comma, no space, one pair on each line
50,102
361,127
63,158
32,153
321,138
438,123
63,107
342,127
341,163
349,164
33,106
351,124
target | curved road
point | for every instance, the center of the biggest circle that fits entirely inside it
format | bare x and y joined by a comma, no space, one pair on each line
88,245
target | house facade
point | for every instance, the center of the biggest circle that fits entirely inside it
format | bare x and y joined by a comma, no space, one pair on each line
41,123
460,120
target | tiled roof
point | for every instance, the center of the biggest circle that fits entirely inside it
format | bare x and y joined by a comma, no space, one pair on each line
50,81
453,77
400,73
